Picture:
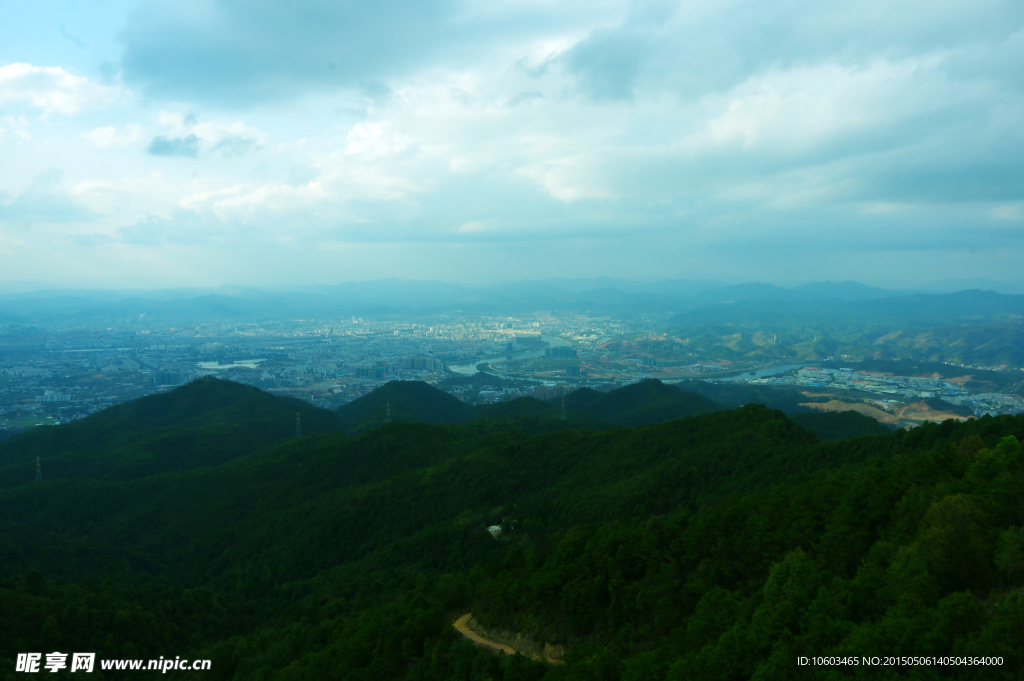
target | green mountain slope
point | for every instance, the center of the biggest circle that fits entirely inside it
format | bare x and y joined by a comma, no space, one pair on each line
914,552
714,546
342,498
523,407
839,425
204,423
639,404
731,395
409,400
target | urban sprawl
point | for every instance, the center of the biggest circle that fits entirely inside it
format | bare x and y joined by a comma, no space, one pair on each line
56,375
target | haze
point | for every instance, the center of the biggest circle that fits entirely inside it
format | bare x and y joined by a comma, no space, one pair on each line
211,142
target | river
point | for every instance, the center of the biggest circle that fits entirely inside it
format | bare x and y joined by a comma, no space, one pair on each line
468,368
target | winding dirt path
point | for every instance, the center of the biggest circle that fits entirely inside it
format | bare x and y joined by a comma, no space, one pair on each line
462,626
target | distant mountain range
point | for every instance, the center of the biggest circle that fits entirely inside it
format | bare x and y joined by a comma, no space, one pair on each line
394,296
967,327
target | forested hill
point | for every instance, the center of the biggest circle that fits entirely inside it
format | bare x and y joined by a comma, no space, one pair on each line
409,401
204,423
211,422
717,546
643,403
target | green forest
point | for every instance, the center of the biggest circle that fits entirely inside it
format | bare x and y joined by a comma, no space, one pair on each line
650,534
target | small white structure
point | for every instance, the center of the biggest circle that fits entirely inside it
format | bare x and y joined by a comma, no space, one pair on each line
495,530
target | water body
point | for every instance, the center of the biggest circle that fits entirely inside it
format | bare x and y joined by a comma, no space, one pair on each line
761,373
468,368
244,364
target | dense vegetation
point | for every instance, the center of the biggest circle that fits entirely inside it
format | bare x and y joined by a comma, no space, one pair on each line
639,404
204,423
717,546
840,425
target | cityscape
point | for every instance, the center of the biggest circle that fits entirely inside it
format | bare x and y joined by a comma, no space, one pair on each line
56,375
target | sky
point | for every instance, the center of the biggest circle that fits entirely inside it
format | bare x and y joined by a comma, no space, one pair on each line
293,142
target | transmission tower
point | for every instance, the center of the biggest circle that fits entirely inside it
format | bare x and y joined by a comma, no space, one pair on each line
298,424
39,471
562,416
387,415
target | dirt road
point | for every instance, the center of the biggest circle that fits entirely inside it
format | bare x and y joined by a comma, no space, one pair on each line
461,626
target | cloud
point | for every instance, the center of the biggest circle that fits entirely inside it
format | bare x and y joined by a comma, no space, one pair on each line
189,137
229,50
233,145
14,128
51,89
187,146
568,179
46,199
693,49
237,53
178,227
111,136
663,133
606,64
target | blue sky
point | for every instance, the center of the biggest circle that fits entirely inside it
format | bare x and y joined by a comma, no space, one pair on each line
208,142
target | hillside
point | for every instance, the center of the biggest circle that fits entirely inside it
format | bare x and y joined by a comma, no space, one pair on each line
968,327
414,401
652,552
839,425
409,401
639,404
732,395
203,423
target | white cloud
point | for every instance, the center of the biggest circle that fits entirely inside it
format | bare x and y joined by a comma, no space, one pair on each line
568,179
221,136
110,136
14,128
520,120
375,140
51,89
801,107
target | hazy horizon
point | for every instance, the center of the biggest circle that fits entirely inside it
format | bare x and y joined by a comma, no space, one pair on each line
211,142
9,288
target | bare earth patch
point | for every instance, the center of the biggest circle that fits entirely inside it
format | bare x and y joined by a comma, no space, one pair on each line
860,407
912,414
